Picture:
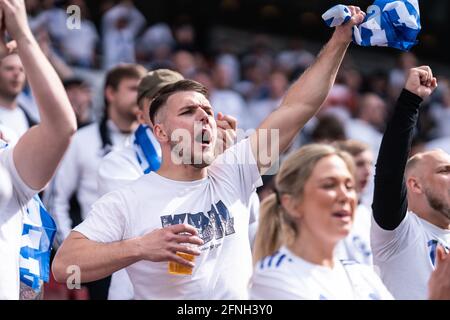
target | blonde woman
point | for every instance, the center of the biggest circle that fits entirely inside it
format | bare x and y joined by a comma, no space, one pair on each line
301,224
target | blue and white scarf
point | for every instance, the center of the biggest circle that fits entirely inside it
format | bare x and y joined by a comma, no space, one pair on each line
38,233
147,149
388,23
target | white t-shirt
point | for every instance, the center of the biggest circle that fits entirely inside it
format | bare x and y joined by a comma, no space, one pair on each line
11,224
14,119
287,276
5,187
405,256
356,246
78,173
216,205
8,135
117,169
120,168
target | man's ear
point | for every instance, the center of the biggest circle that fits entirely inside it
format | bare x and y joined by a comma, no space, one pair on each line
160,133
414,185
140,116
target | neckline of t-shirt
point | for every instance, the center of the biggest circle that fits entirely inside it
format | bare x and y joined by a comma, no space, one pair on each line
294,257
432,226
178,182
114,129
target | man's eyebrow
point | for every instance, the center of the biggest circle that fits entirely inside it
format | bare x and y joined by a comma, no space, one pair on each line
445,166
190,106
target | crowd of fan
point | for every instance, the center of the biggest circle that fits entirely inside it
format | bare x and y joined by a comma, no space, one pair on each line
247,85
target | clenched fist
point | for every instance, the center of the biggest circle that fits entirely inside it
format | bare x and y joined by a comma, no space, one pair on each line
421,82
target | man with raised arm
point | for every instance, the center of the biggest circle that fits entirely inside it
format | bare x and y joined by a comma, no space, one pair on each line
411,205
33,160
192,206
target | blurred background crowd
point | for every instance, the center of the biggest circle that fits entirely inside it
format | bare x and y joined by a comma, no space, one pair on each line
246,53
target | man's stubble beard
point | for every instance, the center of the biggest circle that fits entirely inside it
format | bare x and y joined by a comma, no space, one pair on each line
437,204
190,158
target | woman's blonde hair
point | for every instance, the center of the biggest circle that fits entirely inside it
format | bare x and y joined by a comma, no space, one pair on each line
276,226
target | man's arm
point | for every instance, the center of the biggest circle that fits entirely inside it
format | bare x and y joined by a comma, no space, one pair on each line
307,94
390,203
39,151
98,260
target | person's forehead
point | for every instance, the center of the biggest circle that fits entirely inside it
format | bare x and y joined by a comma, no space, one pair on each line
186,98
365,154
12,59
436,158
331,166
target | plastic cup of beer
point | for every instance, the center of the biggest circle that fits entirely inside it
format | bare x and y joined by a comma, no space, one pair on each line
178,269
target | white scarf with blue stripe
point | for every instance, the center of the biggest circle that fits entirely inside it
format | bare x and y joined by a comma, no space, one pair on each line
147,149
389,23
38,233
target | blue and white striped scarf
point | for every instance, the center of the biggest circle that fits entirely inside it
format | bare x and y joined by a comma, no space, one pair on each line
147,149
38,232
388,23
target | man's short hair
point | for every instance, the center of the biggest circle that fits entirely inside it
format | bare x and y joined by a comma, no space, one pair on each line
154,81
120,72
412,163
123,71
74,82
167,91
329,128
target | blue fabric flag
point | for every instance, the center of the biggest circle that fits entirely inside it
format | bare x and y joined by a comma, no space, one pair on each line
147,148
388,23
38,233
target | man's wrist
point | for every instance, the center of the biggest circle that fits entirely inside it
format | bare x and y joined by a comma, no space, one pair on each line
133,248
340,37
25,37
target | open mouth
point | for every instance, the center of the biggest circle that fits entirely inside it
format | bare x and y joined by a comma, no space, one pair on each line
343,215
204,137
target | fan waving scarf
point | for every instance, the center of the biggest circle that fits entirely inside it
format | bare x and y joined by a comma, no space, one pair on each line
388,23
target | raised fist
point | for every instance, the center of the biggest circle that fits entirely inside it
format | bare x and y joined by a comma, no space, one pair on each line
421,82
